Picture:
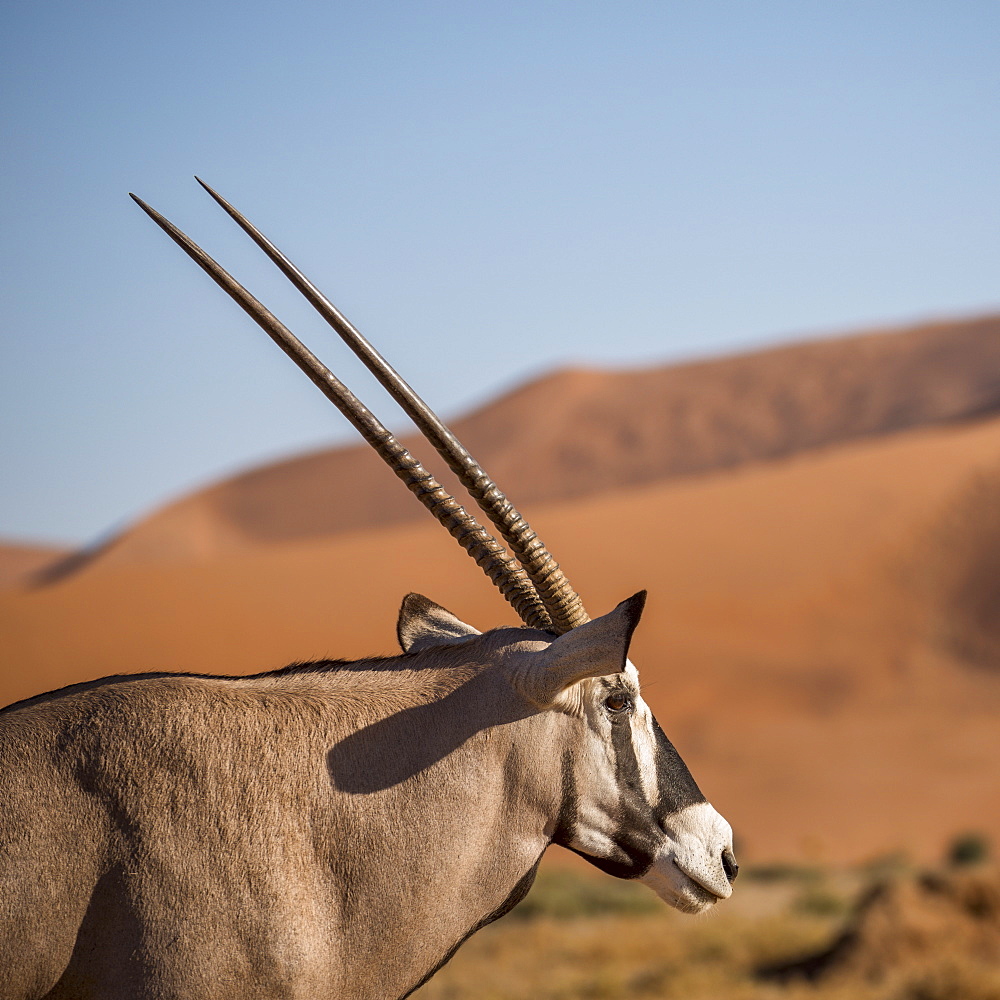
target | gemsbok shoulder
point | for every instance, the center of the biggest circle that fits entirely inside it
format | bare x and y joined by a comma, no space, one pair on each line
338,829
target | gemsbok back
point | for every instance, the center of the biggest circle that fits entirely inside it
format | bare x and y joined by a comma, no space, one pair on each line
338,829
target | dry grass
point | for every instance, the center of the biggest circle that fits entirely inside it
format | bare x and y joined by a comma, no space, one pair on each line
630,947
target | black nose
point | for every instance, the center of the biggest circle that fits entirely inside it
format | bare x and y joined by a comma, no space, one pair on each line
729,865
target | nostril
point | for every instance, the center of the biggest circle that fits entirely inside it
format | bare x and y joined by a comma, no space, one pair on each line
729,865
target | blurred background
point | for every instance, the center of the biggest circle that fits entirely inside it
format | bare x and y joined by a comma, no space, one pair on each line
711,290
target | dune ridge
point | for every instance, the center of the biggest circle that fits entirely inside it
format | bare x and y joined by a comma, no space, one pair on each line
20,561
579,432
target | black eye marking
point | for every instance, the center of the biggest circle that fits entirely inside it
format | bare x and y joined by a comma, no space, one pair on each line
618,702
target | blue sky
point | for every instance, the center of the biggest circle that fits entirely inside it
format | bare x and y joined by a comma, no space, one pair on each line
488,190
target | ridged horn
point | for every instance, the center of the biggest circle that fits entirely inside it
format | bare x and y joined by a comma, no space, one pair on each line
509,578
561,601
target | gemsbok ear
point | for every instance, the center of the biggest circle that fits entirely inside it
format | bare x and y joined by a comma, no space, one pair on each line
594,649
422,624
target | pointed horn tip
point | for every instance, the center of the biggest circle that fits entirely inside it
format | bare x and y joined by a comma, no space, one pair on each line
148,209
215,194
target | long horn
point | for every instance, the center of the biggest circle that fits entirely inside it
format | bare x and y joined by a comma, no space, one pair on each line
488,553
561,601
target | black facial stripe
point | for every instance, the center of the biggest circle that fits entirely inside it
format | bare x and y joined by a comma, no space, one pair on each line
565,829
626,764
637,835
677,788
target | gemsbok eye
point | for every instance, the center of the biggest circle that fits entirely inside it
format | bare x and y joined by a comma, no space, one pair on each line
617,703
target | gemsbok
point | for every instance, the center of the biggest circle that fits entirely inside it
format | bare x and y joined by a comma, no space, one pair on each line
338,829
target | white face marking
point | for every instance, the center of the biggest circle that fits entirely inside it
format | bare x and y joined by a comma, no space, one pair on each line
688,872
644,742
597,807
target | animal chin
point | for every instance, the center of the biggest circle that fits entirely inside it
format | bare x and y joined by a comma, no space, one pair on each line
687,905
695,897
690,897
676,888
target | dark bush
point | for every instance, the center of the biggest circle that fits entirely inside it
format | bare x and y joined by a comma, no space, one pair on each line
968,849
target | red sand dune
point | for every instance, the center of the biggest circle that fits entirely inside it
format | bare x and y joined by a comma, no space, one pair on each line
579,433
787,646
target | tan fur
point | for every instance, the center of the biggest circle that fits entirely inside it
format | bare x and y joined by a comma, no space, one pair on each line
318,834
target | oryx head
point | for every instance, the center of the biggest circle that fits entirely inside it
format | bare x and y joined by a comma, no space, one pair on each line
629,803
